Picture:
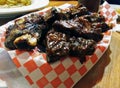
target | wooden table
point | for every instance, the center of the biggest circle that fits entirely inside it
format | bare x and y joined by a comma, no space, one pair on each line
106,73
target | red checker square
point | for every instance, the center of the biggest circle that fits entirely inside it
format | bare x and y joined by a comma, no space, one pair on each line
107,13
72,69
2,39
0,45
16,62
107,6
74,59
59,69
29,80
45,68
62,59
30,65
93,58
42,82
82,70
107,33
18,52
87,58
44,56
113,13
41,13
56,82
102,48
68,83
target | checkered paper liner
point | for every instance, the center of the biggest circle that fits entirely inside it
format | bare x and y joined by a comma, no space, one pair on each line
64,73
108,12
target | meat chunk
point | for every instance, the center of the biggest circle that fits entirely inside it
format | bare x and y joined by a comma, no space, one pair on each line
79,28
11,36
101,26
94,17
25,33
57,45
78,11
97,21
60,14
80,47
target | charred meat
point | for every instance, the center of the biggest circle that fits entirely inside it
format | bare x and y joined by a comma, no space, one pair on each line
57,45
25,33
59,14
80,47
78,28
94,17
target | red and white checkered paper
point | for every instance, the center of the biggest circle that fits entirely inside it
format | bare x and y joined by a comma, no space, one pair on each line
64,73
108,12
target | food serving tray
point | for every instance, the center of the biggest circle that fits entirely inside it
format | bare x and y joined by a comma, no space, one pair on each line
64,73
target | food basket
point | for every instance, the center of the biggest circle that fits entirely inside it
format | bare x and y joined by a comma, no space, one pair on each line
64,73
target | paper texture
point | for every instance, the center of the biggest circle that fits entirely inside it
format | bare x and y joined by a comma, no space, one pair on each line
111,15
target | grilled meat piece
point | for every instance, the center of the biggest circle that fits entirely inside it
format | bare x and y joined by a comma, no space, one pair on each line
79,28
59,14
94,17
80,47
11,36
71,12
101,26
35,18
67,26
97,21
78,11
25,33
57,45
50,17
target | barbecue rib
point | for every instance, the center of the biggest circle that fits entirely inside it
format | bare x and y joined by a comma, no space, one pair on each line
80,47
25,33
56,46
78,28
59,14
59,45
